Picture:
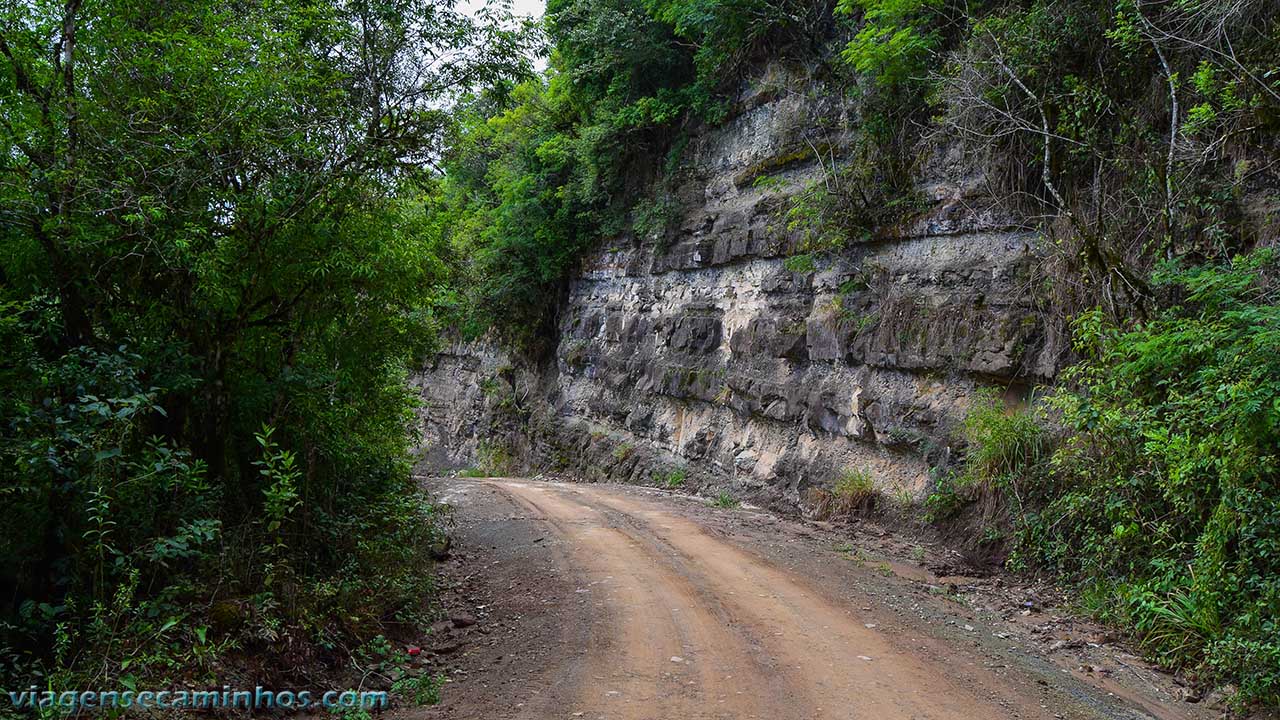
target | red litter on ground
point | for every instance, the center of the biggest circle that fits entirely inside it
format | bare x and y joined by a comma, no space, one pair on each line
414,650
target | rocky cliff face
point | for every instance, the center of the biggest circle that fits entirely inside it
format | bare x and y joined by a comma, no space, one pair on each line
701,350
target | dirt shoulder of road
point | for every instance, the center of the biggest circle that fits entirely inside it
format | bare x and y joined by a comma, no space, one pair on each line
517,611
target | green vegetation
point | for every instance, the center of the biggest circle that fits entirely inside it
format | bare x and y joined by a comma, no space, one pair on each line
217,269
229,234
853,494
1158,491
672,479
852,553
859,322
543,172
1172,448
854,485
1137,132
726,501
1147,476
896,39
420,690
1007,448
1004,444
495,461
802,264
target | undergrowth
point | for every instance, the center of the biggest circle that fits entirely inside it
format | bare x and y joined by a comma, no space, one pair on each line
1150,478
672,479
853,494
726,501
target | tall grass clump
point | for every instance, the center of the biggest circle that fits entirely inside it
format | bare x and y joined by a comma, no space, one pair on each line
852,495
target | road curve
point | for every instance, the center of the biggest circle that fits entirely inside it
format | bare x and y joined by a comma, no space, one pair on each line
688,626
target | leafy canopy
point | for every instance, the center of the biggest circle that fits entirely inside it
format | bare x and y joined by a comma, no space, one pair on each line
212,220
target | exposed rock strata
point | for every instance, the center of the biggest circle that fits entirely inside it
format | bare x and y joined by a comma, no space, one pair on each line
700,350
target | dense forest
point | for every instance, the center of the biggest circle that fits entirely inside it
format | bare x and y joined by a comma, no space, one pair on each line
219,267
231,231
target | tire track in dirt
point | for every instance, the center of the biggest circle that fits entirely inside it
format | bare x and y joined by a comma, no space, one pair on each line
664,650
751,640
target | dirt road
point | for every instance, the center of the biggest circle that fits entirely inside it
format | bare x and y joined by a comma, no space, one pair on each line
629,605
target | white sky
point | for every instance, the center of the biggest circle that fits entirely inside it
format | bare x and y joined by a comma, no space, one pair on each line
533,8
530,8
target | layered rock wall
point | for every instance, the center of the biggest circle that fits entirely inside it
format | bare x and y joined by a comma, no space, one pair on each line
702,350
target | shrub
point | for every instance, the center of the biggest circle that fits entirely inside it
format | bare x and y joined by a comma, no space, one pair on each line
1160,497
852,495
652,219
1006,450
1003,443
1164,495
